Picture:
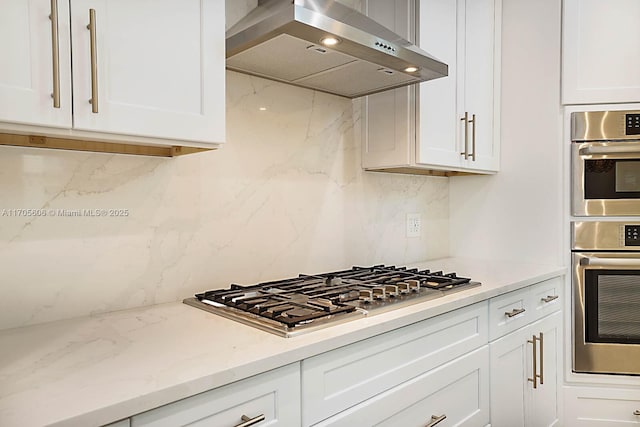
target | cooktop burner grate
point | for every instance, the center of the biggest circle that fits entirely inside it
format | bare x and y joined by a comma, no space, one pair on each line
311,301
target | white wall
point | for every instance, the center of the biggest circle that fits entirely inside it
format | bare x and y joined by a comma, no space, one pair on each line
517,214
285,195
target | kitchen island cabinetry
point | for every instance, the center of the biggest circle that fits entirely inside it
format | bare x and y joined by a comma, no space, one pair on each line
525,373
600,55
268,399
449,124
141,74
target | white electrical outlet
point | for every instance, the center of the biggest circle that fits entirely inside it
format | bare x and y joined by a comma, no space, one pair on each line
414,225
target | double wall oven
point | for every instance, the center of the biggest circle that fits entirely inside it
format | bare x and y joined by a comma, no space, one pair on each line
605,243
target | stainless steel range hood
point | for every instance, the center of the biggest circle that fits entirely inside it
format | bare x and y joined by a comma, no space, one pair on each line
283,40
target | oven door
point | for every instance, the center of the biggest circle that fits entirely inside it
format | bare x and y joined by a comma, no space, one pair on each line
606,178
606,308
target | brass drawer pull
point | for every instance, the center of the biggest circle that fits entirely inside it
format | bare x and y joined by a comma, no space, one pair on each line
473,138
465,119
55,53
436,420
250,421
514,312
94,61
534,354
550,298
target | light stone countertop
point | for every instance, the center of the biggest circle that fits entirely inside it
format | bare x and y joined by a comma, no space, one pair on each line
99,369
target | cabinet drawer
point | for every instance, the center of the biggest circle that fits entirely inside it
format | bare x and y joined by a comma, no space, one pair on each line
547,297
601,407
274,394
509,312
342,378
458,390
516,309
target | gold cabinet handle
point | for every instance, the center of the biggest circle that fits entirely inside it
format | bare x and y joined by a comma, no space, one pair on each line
514,312
465,119
473,137
250,421
550,298
541,341
535,377
435,420
94,61
55,53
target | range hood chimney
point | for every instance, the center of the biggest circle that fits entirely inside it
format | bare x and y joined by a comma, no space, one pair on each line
326,46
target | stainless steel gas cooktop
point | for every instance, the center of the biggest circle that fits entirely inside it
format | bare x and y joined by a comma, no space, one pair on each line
308,302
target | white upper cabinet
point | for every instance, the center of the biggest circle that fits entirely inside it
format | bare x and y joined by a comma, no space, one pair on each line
150,72
600,53
449,124
27,67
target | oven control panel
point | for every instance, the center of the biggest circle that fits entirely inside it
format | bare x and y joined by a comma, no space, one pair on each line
632,235
632,124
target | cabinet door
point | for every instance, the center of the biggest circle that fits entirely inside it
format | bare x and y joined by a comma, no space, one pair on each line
479,82
514,401
439,128
27,74
600,55
510,366
159,68
544,410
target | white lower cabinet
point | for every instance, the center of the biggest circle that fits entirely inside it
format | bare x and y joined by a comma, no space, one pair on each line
602,407
456,393
404,377
525,374
514,399
273,397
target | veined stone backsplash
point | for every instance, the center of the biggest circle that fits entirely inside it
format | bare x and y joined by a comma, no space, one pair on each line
285,195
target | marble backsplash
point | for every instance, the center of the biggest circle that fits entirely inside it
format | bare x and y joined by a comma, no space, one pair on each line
285,195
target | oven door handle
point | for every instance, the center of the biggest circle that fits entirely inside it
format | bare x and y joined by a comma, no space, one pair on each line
630,149
610,262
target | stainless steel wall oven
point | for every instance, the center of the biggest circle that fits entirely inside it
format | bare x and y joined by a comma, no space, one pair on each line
606,297
605,156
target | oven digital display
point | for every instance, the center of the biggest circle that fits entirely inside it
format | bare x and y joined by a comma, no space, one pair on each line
632,124
632,235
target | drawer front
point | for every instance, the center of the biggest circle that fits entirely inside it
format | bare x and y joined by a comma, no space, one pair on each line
342,378
509,312
547,297
274,394
458,391
516,309
602,407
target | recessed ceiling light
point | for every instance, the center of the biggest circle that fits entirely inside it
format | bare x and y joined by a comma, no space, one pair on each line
262,108
329,41
411,69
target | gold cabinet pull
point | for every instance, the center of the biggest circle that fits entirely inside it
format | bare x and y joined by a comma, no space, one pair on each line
435,420
55,53
246,421
550,298
465,119
473,137
514,312
541,341
94,61
535,377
